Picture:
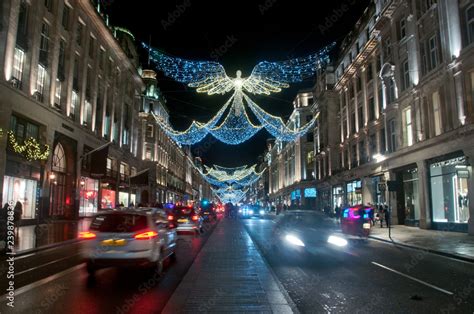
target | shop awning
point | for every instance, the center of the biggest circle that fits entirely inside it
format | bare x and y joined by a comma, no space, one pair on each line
141,178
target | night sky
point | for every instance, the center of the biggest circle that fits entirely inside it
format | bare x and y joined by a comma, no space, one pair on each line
238,36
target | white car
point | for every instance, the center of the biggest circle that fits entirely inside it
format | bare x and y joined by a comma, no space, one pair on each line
129,237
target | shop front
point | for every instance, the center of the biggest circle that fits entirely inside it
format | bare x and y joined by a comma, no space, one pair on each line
89,197
123,198
23,190
354,192
448,181
337,196
409,196
310,195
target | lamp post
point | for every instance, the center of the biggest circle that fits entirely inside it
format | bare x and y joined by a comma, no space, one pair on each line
82,194
52,182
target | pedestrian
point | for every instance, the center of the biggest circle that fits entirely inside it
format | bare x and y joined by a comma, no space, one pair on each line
387,215
337,212
381,214
17,213
371,214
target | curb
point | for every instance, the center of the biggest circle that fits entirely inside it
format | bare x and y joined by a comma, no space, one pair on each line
441,253
290,301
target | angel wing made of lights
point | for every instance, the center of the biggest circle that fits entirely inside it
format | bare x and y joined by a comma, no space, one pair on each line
266,78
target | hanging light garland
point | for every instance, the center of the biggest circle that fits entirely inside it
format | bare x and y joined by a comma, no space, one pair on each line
30,148
266,78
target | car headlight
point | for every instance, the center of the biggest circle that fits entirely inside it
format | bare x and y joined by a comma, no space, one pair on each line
250,212
262,212
337,241
294,240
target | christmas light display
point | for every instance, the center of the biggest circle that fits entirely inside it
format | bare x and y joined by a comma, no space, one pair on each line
30,149
266,78
230,195
231,177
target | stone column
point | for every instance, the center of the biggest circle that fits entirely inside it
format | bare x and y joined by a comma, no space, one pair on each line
424,195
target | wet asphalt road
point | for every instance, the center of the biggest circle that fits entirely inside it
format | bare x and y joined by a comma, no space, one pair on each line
369,277
56,281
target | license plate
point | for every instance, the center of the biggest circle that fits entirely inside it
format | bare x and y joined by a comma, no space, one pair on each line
206,213
366,226
182,220
112,242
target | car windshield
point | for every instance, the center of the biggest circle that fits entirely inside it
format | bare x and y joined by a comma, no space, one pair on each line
119,223
309,220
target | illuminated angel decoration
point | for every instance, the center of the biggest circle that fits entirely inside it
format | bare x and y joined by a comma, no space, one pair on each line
266,78
235,177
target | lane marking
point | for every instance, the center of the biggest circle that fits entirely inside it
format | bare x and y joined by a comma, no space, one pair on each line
402,246
42,282
42,265
413,278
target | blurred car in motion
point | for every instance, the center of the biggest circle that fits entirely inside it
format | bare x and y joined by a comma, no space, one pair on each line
356,220
246,211
185,219
208,211
129,237
307,231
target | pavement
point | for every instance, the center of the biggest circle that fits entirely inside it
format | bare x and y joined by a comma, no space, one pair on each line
229,275
453,244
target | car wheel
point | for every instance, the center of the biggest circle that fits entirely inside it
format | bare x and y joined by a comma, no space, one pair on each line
91,268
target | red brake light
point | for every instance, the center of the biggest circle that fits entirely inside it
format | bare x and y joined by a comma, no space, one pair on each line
146,235
195,217
87,235
170,217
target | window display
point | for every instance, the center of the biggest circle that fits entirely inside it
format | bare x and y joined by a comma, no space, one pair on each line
22,190
123,198
89,197
449,190
354,192
108,199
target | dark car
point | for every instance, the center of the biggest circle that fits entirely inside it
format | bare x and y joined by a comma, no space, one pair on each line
185,219
208,212
307,231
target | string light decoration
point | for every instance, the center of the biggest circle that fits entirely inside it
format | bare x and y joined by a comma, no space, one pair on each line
237,177
30,148
266,78
230,195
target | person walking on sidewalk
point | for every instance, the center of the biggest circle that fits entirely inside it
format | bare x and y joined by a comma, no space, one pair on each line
387,215
17,213
381,214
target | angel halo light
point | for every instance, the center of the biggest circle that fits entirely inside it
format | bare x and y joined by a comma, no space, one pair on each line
266,78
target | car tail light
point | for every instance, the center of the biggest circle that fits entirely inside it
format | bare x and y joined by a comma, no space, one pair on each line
195,217
87,235
170,217
146,235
